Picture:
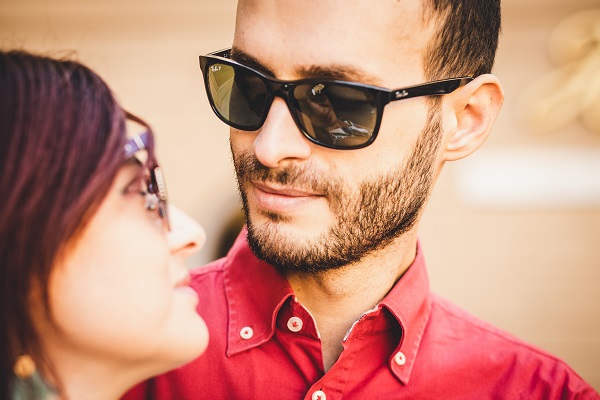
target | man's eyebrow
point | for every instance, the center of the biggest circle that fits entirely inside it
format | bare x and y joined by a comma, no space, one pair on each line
249,61
339,72
334,72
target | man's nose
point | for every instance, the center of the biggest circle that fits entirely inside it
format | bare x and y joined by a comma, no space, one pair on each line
280,139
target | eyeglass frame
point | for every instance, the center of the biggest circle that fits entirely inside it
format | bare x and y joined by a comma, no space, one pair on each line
156,187
283,88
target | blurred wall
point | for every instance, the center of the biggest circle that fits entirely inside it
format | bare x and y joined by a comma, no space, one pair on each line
523,257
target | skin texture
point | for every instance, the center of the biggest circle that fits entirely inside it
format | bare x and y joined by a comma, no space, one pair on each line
122,310
366,219
335,221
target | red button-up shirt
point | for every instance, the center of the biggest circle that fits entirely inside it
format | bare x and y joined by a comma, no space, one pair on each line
414,345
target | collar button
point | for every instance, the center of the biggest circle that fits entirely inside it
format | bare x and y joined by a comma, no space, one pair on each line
246,333
319,395
294,324
400,358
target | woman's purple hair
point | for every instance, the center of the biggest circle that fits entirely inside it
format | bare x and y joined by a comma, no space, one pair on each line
61,145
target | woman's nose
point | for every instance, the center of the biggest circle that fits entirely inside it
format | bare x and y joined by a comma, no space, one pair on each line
186,236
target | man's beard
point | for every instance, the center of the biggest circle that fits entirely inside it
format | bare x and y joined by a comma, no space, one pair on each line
383,209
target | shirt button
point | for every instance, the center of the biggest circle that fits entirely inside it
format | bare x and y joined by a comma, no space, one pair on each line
294,324
400,358
319,395
246,332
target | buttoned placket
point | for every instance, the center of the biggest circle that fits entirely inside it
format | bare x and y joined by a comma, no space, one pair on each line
332,383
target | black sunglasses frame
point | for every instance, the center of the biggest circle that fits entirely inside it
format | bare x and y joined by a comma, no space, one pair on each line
283,89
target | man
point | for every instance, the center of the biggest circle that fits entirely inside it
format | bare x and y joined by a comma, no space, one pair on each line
327,297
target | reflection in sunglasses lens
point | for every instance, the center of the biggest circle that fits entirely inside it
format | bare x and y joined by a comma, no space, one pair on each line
334,114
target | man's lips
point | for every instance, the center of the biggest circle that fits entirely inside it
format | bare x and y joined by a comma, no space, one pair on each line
281,199
283,191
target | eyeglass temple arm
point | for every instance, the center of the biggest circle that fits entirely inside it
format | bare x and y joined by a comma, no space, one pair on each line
135,144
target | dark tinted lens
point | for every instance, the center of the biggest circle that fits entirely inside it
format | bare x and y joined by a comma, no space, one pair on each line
238,94
336,114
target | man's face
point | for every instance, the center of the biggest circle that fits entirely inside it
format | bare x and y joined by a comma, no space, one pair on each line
308,207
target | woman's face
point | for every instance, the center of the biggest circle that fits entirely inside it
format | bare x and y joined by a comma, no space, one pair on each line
120,294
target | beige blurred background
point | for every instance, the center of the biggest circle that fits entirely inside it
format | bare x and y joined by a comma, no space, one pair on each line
512,234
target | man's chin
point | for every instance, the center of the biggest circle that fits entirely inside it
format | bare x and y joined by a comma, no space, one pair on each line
290,249
292,228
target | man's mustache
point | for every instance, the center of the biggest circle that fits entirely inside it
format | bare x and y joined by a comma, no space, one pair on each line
248,168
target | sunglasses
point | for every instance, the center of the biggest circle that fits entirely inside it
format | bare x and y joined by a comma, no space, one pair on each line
156,190
331,113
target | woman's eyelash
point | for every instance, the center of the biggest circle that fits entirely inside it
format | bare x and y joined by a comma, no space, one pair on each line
136,186
150,199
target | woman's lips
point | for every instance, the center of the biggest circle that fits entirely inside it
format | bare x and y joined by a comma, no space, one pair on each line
184,281
183,287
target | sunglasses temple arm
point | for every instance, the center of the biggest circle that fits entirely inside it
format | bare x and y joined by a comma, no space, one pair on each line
430,89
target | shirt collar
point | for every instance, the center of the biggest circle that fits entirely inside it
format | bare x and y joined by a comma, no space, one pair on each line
256,292
409,301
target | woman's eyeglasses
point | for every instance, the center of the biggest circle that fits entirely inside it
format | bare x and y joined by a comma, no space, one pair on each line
331,113
156,191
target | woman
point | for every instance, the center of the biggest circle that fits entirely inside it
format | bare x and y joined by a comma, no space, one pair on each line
94,294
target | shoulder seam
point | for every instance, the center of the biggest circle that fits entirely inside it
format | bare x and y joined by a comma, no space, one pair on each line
498,332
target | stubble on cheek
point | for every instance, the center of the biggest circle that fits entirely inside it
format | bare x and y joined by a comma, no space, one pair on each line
367,215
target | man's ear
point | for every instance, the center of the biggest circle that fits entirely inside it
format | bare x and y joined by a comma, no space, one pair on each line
475,106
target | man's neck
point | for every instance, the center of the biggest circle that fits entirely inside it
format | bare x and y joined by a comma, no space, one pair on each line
337,298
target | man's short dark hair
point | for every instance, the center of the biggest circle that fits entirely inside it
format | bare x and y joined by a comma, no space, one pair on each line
465,40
